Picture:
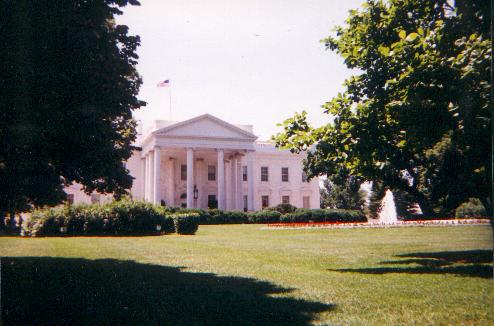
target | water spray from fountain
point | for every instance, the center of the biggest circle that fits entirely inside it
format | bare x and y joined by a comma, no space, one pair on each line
387,213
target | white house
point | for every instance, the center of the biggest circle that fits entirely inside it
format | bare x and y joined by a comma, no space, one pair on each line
207,162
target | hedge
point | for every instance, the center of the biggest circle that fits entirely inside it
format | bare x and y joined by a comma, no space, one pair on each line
324,215
117,218
273,215
134,217
187,223
266,216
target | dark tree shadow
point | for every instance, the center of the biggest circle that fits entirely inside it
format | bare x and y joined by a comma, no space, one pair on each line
66,291
465,257
474,263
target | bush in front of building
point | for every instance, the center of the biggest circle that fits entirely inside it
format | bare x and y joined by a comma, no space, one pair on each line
228,217
265,216
117,218
283,208
212,216
324,215
186,223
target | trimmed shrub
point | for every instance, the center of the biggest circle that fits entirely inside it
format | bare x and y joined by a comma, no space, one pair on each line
472,208
121,217
187,223
282,208
265,216
298,217
324,215
216,216
230,217
45,222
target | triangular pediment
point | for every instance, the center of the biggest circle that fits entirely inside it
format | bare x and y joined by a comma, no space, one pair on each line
205,126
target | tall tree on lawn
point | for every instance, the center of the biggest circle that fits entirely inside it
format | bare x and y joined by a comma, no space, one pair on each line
416,116
69,86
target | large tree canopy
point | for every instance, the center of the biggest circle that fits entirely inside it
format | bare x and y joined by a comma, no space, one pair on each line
68,85
342,191
417,116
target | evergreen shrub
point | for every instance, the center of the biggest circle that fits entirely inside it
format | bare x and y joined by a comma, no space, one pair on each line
186,223
266,216
116,218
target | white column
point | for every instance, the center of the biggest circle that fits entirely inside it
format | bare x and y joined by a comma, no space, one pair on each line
221,179
233,183
250,180
199,182
190,178
143,178
157,175
172,182
148,176
151,177
240,193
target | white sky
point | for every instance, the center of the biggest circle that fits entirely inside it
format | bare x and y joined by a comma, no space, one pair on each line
245,61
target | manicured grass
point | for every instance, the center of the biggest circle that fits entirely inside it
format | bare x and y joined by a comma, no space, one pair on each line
242,274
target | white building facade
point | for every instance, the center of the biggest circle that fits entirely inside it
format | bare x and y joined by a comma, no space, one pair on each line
206,162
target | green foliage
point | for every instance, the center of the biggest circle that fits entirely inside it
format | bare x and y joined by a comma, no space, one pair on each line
216,216
69,85
417,116
472,208
266,216
187,223
324,215
342,191
116,218
282,208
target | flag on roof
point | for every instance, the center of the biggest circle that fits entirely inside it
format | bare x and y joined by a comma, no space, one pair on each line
164,83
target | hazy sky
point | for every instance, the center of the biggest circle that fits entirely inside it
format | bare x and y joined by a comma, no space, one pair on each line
245,61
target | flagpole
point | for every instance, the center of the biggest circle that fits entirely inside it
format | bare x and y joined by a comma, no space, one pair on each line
170,104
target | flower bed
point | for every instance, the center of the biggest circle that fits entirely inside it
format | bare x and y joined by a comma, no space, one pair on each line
306,225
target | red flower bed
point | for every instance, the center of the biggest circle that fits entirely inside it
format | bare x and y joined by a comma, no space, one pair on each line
367,224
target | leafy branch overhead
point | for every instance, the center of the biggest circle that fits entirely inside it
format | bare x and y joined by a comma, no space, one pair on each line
417,115
70,82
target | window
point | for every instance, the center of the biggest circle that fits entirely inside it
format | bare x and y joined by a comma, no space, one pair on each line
211,172
212,202
244,172
70,199
285,199
264,173
183,172
304,177
265,201
306,202
284,174
246,203
95,198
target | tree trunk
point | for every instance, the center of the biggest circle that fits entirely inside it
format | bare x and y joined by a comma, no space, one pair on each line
12,223
424,203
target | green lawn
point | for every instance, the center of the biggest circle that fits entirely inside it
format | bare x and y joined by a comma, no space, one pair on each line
242,274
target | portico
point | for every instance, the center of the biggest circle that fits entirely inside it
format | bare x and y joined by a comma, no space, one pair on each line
198,164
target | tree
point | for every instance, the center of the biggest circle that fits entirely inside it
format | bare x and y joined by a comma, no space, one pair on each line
417,116
69,85
342,191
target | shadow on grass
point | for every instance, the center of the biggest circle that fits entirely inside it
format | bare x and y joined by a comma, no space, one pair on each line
56,291
474,263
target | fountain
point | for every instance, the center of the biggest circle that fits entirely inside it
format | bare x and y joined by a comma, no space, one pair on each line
387,212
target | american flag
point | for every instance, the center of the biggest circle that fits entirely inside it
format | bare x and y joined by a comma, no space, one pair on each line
164,83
